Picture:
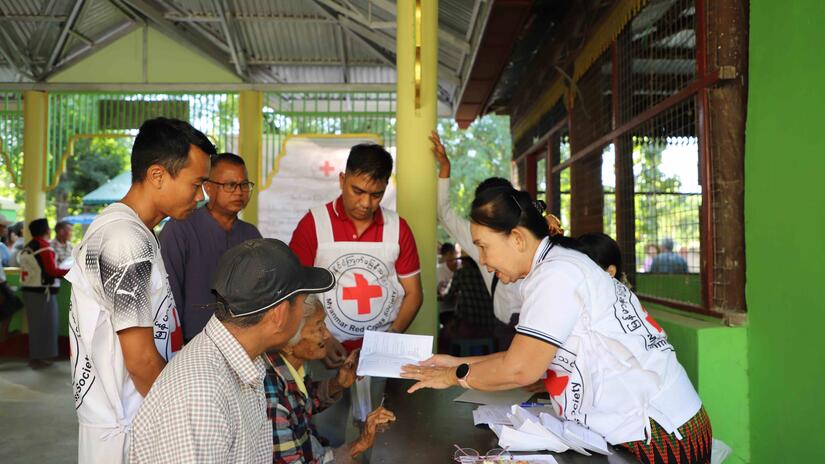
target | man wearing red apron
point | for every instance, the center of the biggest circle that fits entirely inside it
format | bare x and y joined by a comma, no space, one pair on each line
372,253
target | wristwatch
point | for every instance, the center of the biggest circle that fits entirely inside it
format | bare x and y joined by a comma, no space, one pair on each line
461,373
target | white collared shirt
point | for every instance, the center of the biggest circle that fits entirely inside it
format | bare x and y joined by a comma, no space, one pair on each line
614,369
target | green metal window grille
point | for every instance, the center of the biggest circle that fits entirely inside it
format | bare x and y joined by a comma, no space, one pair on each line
11,135
293,113
73,116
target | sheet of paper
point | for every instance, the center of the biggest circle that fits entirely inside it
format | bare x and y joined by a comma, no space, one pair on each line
383,353
503,398
517,440
528,423
559,428
585,438
493,414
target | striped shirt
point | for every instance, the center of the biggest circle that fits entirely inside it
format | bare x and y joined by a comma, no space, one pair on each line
207,406
294,438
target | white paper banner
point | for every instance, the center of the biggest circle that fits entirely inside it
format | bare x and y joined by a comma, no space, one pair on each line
307,176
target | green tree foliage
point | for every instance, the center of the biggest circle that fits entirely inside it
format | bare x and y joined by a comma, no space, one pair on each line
662,209
482,150
95,161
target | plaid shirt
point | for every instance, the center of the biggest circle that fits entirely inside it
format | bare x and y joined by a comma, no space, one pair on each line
294,438
207,406
473,304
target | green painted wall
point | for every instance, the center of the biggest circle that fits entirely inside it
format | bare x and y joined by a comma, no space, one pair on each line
715,358
784,224
681,287
167,61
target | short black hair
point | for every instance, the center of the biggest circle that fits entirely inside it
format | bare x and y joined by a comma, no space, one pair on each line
446,248
370,159
166,142
39,227
603,250
17,228
230,158
492,182
61,224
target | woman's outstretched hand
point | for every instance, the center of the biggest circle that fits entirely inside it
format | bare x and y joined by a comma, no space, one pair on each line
429,377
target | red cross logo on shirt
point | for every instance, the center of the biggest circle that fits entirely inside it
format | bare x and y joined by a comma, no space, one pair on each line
555,385
327,168
363,292
653,322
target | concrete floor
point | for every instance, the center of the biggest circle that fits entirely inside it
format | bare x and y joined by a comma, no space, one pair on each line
37,418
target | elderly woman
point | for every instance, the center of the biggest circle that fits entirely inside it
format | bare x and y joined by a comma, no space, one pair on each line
293,397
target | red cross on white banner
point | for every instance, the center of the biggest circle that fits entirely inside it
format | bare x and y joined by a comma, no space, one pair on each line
326,168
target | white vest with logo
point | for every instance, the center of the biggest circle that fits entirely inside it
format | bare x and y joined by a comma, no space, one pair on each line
105,396
367,293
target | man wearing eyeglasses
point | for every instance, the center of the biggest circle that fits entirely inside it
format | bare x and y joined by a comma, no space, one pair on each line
191,247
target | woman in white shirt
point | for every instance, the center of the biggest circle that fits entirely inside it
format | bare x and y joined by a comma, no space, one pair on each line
608,364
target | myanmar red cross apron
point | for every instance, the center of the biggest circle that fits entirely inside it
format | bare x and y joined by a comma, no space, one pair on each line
367,293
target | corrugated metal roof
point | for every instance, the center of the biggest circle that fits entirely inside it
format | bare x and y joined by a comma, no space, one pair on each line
301,41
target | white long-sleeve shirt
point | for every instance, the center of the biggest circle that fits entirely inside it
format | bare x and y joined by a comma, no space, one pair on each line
507,300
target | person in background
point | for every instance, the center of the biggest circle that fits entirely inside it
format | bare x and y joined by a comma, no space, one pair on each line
651,250
191,247
293,397
39,298
506,299
16,242
62,243
668,262
605,252
5,253
444,275
123,324
474,316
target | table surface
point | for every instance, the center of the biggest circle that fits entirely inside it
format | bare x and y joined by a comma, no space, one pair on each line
428,424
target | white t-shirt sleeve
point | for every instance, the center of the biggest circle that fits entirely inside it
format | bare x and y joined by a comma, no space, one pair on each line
125,266
552,304
457,227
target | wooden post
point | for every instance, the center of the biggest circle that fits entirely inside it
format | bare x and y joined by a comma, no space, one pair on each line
727,47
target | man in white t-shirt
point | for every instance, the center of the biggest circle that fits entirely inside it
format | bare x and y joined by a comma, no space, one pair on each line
123,322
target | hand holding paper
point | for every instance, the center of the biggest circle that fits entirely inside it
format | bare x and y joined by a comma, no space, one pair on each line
383,353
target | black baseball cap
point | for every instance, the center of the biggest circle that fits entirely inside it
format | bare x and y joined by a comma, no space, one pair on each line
260,273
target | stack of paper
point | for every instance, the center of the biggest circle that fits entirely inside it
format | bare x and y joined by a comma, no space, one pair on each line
528,432
492,415
383,353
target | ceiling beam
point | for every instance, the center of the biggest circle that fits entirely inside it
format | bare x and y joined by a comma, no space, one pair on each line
64,34
184,36
43,31
202,18
344,57
9,50
110,36
232,39
33,18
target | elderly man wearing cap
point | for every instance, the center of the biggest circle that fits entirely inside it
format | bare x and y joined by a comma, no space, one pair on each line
209,404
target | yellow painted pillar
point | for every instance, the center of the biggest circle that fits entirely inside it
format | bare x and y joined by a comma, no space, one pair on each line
250,146
35,143
417,64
